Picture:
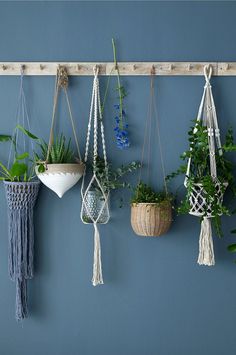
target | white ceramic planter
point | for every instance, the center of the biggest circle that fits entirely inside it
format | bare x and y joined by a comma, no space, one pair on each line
61,177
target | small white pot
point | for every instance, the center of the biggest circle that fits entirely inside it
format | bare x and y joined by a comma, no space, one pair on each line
61,177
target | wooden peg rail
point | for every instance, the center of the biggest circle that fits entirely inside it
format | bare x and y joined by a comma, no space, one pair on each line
125,68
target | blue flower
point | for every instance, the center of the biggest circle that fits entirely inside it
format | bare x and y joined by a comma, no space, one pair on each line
121,133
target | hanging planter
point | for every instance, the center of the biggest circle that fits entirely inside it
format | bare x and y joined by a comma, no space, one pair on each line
21,194
60,177
153,216
151,219
95,207
207,173
57,167
151,212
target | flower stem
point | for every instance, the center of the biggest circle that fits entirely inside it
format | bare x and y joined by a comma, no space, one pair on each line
119,84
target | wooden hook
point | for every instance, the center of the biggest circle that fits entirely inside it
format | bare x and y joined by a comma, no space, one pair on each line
153,70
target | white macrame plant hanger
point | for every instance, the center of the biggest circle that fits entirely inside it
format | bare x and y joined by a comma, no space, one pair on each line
95,116
206,114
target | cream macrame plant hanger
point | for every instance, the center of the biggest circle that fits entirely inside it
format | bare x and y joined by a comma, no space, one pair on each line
95,116
206,114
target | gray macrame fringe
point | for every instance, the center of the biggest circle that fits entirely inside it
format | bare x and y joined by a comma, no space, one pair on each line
21,200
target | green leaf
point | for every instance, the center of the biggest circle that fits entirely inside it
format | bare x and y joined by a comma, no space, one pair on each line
41,168
4,138
27,133
5,170
22,156
233,231
18,169
232,248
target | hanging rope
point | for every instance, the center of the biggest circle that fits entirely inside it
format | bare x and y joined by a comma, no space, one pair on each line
61,82
95,202
21,115
206,113
152,118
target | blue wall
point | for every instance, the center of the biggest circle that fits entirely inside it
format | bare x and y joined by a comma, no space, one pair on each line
155,300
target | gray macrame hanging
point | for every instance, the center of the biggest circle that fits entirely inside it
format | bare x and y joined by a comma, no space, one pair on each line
198,201
21,198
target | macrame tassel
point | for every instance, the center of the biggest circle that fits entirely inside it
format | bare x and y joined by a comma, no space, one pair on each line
21,299
21,244
206,249
97,264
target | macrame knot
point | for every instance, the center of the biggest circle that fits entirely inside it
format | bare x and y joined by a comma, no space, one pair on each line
62,77
210,132
96,70
217,132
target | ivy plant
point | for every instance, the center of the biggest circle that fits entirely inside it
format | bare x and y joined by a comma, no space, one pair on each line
145,194
200,172
114,179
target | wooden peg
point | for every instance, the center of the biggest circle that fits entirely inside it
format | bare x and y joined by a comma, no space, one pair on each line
227,66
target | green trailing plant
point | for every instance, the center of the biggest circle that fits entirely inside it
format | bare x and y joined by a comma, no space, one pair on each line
60,153
232,247
115,176
145,194
200,172
22,168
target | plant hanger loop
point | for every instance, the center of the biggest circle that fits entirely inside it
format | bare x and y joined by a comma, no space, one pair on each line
61,82
208,73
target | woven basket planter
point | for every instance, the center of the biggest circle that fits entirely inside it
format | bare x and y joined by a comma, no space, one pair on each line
21,198
151,219
61,177
198,202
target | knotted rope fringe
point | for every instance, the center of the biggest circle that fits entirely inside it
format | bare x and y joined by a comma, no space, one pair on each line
20,257
97,264
206,249
21,198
